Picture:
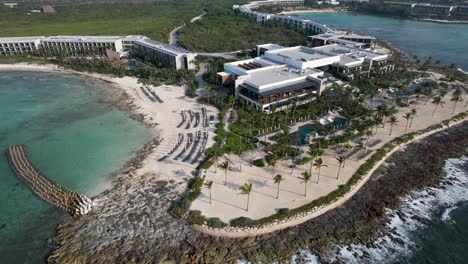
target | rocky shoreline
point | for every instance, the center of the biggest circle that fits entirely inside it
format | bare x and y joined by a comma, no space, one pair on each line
131,222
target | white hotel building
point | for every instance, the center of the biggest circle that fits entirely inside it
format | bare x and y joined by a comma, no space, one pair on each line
19,45
281,74
167,55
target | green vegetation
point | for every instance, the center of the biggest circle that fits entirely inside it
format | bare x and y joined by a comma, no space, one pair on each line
259,163
146,73
154,19
183,205
342,190
223,30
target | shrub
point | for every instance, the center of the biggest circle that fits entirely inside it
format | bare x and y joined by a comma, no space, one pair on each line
183,206
195,218
241,221
215,222
282,211
259,163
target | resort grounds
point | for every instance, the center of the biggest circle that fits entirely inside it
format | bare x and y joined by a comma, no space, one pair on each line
227,203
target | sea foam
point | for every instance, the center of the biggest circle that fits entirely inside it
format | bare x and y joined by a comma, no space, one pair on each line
417,209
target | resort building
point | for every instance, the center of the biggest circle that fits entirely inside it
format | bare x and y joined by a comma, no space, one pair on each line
426,9
166,55
78,45
311,26
344,38
19,45
281,75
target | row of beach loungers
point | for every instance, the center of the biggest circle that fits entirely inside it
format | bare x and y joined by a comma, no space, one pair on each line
195,143
151,94
180,139
193,119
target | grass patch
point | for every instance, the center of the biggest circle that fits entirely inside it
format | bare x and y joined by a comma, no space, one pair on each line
153,19
223,30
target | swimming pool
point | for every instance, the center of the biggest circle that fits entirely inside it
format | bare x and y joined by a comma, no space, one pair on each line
412,87
305,130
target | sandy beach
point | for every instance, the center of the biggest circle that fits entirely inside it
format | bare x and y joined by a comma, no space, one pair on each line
162,117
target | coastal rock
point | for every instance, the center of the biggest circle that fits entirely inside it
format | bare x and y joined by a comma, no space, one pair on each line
136,227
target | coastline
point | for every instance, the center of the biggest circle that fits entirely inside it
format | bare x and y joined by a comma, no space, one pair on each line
175,241
333,10
306,216
160,237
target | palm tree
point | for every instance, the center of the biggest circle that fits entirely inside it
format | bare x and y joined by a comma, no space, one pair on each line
413,114
225,167
392,121
273,162
368,137
314,152
305,179
319,164
347,148
208,185
341,161
246,189
456,97
387,112
210,91
278,179
407,116
437,101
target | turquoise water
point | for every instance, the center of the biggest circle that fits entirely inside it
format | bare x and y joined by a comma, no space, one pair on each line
303,131
444,42
72,135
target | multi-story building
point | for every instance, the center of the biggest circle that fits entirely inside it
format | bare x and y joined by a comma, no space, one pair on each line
19,45
167,55
77,45
347,39
280,75
426,9
311,26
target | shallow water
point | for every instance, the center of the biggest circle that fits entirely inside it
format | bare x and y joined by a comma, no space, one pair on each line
73,135
444,42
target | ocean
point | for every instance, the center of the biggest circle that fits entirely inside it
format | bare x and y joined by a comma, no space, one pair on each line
73,134
434,227
444,42
430,227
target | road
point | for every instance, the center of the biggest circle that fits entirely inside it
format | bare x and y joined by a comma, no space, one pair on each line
173,39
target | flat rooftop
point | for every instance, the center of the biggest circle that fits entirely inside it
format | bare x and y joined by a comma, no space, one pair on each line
20,39
279,74
161,46
300,53
352,52
83,38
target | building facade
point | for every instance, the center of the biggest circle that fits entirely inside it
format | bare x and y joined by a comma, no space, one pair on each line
311,26
19,45
280,75
166,55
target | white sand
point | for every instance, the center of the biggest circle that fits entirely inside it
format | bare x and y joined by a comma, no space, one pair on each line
228,203
166,115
